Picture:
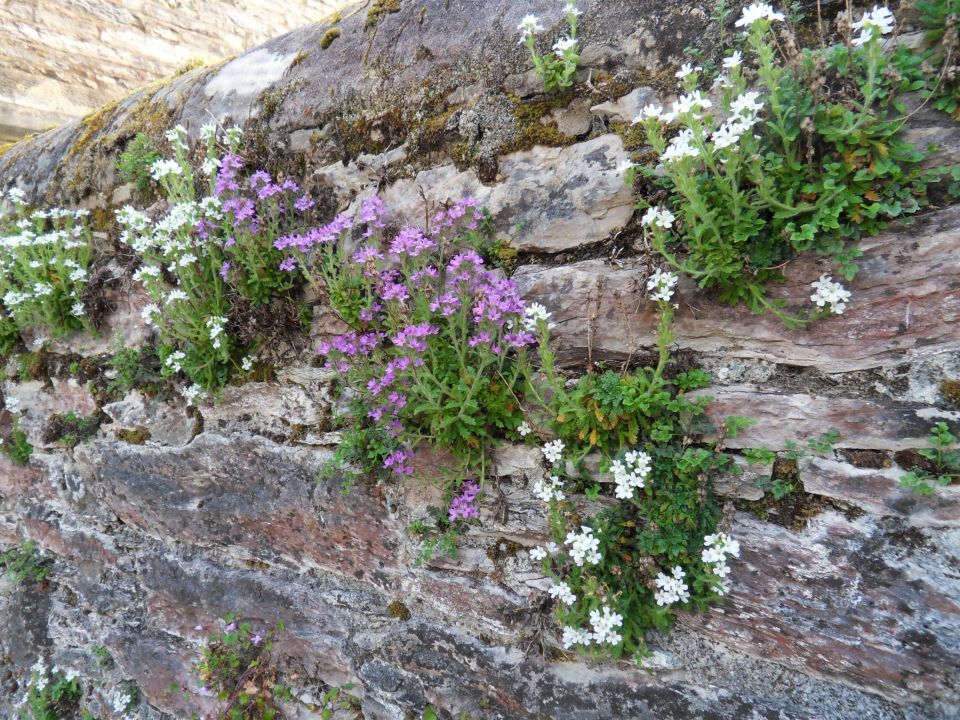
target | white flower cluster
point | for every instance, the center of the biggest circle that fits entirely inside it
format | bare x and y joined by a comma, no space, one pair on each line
553,451
534,313
658,217
247,363
661,285
561,591
604,623
530,25
541,553
672,589
121,701
758,11
215,326
877,22
680,147
562,46
630,474
716,549
163,167
584,547
193,393
173,360
743,109
549,490
828,292
524,429
48,244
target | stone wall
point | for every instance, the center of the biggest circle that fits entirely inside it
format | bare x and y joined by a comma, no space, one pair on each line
845,603
60,60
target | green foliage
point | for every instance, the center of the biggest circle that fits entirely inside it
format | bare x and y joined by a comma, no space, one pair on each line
51,695
15,444
25,563
338,698
44,266
236,665
941,21
944,460
135,161
811,162
69,429
441,535
786,470
133,368
558,68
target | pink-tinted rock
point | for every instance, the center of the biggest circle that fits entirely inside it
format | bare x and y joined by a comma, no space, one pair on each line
901,309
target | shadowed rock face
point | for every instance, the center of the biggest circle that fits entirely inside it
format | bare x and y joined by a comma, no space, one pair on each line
844,605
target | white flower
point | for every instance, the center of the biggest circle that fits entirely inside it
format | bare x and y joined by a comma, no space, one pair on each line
729,63
208,132
690,102
549,490
71,674
121,701
530,25
584,547
553,451
624,166
758,11
661,217
561,46
879,21
572,9
176,135
562,592
680,147
193,393
524,429
629,475
533,314
147,271
604,622
650,110
176,294
150,313
575,636
716,549
746,104
538,553
672,589
662,284
161,168
12,404
77,309
830,293
209,166
173,360
687,69
233,136
17,196
247,363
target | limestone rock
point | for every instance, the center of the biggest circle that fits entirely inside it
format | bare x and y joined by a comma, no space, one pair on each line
581,184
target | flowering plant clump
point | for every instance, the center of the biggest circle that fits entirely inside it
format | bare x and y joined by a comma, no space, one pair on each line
438,352
558,68
787,151
13,441
237,668
630,566
51,694
44,267
210,250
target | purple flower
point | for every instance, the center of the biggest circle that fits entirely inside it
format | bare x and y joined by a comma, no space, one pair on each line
411,241
399,462
465,505
394,291
242,209
224,269
230,242
303,203
366,254
289,264
372,210
260,177
227,175
520,339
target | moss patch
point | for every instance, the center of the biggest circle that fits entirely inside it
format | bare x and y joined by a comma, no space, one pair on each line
398,610
69,429
328,37
136,436
378,10
792,511
950,389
